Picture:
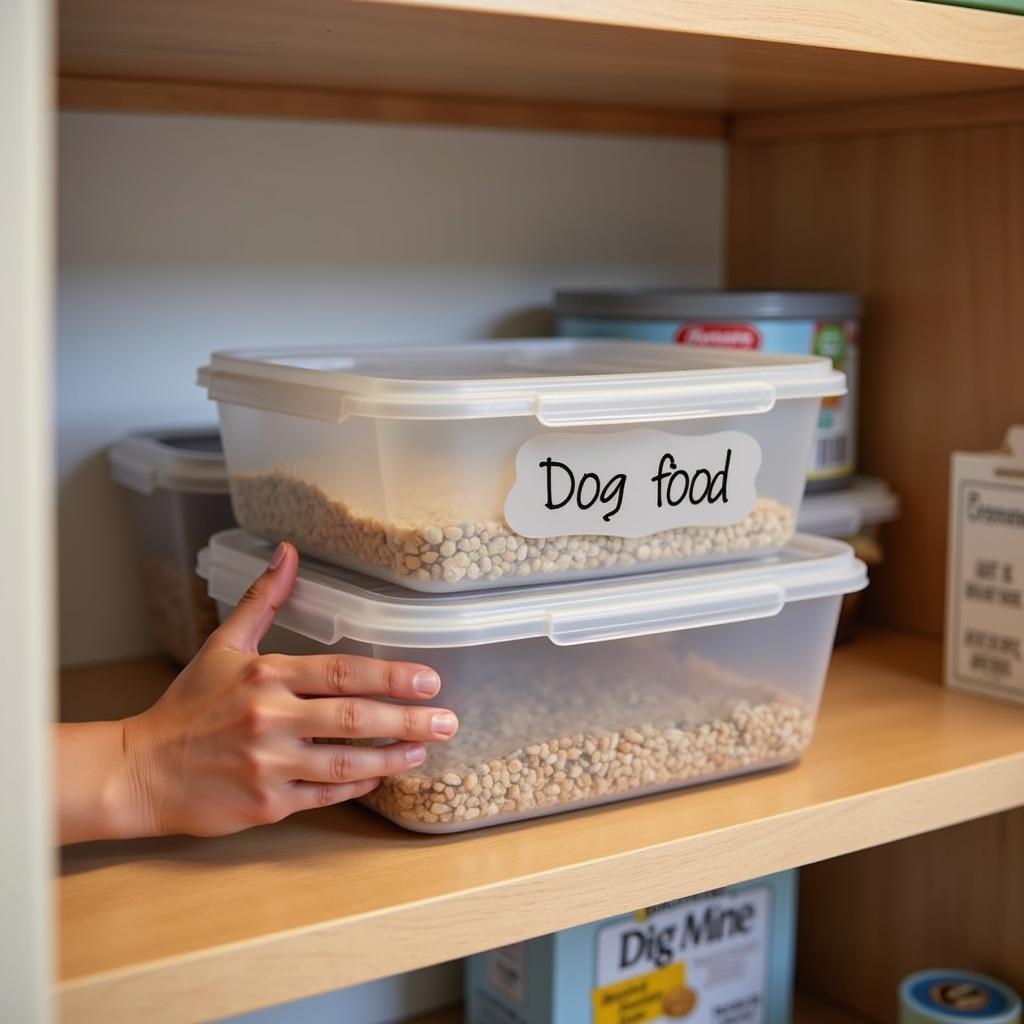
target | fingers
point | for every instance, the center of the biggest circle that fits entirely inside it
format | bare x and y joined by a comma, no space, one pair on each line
338,763
339,675
304,796
245,627
355,718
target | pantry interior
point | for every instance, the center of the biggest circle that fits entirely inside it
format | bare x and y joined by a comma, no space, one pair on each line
876,147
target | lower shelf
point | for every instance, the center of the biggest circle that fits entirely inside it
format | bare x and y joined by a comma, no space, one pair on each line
179,929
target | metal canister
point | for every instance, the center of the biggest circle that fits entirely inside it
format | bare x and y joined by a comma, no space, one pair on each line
796,323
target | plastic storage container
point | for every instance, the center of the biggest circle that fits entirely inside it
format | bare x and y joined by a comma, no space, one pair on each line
853,515
802,323
180,490
506,463
575,694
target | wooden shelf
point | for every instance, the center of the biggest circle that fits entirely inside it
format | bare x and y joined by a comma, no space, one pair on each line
168,930
656,66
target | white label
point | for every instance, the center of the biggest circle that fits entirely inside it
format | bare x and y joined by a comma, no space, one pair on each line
506,971
631,483
987,629
705,958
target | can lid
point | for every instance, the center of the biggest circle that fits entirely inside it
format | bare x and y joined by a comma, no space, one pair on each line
687,304
560,381
329,604
953,996
188,459
866,502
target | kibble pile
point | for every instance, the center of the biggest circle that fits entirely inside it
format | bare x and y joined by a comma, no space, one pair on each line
181,611
687,721
437,549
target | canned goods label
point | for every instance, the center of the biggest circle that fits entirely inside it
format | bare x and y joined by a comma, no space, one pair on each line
703,959
834,453
737,336
631,483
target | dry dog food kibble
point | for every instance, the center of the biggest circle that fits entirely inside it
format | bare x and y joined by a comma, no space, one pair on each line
690,721
445,549
183,615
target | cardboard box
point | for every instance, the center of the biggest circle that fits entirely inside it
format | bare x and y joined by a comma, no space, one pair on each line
724,956
985,572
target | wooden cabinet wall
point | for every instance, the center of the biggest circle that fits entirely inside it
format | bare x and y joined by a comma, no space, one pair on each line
921,208
929,224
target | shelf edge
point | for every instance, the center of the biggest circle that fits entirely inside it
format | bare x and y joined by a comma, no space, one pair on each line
931,113
136,96
363,947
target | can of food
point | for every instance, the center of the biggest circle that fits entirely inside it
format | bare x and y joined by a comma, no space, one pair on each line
947,996
785,323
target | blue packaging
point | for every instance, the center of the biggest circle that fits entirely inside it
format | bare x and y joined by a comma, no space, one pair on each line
725,956
950,996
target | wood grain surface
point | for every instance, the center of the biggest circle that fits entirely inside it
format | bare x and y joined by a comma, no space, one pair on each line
949,898
698,55
929,226
135,96
965,110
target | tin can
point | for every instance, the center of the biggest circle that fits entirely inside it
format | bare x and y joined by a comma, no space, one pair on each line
794,323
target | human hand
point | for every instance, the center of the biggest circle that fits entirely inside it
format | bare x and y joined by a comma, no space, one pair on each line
229,745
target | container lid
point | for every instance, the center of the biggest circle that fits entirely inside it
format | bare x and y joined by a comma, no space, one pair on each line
330,604
190,460
866,502
952,996
561,381
685,304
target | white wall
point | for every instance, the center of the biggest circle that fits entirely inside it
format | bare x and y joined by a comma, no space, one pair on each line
182,235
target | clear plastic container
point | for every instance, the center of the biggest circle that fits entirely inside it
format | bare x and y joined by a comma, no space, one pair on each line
575,694
398,463
180,491
854,515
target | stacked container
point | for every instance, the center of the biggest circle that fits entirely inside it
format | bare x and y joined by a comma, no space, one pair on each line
856,516
179,489
591,541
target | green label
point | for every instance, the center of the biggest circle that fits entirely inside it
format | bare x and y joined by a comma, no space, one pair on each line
830,340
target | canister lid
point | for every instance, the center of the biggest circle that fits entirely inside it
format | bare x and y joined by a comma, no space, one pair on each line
687,304
188,459
866,502
560,381
330,604
952,996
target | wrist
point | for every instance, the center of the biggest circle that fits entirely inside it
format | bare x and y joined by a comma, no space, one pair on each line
138,802
93,788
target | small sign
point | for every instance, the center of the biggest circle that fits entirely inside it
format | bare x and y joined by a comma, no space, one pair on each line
631,483
985,598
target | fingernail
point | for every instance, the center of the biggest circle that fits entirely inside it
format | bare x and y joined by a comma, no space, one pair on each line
415,755
444,724
426,682
278,556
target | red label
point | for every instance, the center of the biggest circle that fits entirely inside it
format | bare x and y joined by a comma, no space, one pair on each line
738,336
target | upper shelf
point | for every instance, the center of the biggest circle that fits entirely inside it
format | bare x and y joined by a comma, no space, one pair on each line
672,66
176,929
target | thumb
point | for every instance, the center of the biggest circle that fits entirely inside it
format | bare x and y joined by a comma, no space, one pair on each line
243,629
